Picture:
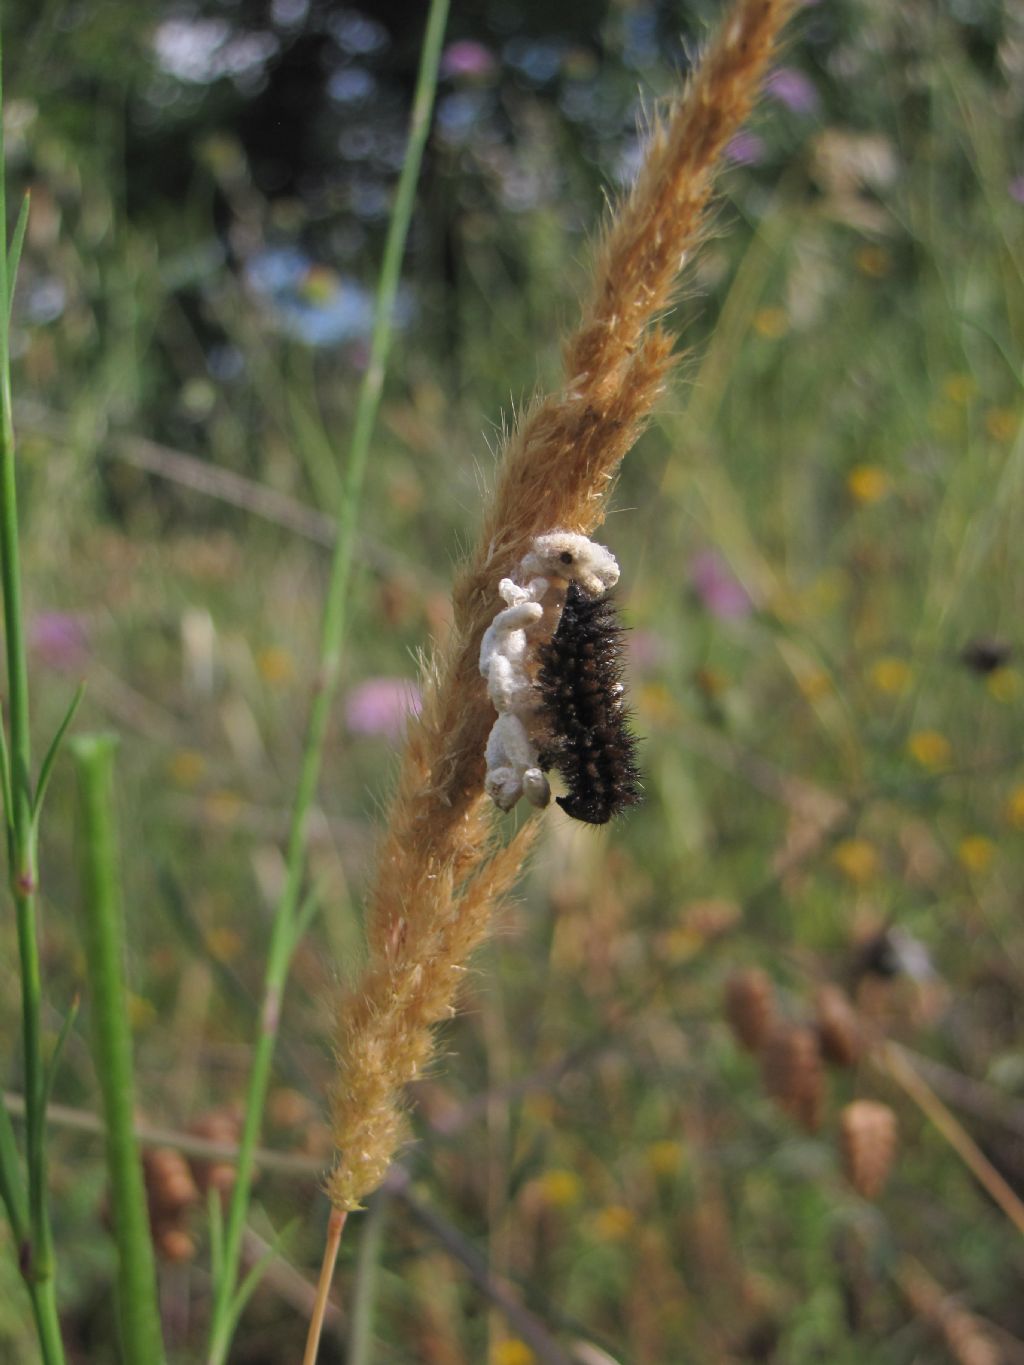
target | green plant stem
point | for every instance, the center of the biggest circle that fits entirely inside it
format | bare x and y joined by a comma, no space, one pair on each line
112,1049
36,1248
282,942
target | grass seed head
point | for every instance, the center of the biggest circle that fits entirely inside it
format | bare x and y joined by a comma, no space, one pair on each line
840,1031
868,1140
793,1074
750,1006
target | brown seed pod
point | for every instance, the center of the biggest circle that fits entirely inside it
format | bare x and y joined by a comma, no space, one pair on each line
174,1244
867,1139
288,1108
840,1032
170,1189
793,1074
221,1126
968,1338
968,1341
750,1006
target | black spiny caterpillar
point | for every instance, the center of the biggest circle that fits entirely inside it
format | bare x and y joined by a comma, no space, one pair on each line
583,700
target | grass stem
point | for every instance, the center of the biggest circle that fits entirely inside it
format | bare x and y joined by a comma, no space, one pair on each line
36,1244
895,1064
335,1227
333,631
112,1049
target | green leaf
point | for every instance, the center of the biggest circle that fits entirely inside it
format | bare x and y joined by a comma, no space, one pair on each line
216,1216
307,913
12,1185
5,779
14,255
251,1282
50,1069
46,770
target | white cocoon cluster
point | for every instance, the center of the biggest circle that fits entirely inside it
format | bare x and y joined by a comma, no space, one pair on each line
507,658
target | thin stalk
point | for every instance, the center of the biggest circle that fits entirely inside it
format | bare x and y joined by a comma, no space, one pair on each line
333,630
335,1227
36,1251
900,1070
112,1049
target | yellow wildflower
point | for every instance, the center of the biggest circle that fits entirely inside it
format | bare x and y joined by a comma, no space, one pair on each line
512,1351
275,665
1001,424
891,675
665,1157
560,1188
1015,807
815,683
975,852
1004,684
959,388
222,807
856,859
613,1223
680,944
224,944
655,703
540,1107
186,767
866,483
771,323
930,749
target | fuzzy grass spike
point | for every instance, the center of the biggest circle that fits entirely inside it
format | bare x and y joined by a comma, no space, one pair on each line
437,877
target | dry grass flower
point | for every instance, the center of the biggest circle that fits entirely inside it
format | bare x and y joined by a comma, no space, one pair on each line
219,1125
968,1340
793,1074
867,1138
438,871
750,1006
840,1030
171,1194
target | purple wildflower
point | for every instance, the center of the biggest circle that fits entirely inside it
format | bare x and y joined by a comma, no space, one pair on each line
793,89
746,149
59,641
720,593
1016,188
467,59
381,706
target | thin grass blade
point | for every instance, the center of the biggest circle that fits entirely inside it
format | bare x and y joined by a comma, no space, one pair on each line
138,1307
53,752
12,1186
50,1069
5,780
215,1213
14,254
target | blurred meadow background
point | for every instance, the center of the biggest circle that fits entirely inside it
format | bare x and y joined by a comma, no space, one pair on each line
822,570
